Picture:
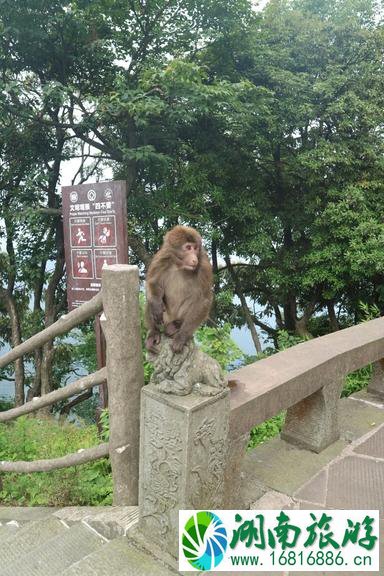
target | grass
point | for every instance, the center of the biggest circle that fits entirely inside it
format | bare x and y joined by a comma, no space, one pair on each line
35,439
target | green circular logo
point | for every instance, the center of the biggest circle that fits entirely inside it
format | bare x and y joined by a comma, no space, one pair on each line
204,540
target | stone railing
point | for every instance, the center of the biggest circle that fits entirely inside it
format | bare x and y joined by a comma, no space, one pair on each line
307,380
119,300
192,447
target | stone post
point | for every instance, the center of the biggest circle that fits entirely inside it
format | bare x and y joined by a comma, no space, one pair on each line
376,385
125,377
313,422
183,454
234,497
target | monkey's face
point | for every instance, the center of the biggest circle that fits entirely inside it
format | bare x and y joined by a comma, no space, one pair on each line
189,253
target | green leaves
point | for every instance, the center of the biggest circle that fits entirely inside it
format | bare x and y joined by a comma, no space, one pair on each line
33,439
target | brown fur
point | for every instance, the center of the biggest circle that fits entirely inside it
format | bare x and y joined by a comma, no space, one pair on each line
178,299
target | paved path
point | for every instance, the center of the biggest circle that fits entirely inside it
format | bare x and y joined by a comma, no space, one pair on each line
347,475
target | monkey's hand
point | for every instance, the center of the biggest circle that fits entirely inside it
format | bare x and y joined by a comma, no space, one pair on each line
157,309
153,341
172,327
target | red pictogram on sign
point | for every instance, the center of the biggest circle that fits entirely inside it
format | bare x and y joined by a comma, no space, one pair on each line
82,265
104,229
104,258
80,232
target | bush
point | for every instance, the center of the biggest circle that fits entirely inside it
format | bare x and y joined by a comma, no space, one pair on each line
35,439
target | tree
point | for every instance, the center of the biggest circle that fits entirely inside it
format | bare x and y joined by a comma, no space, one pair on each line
308,198
96,79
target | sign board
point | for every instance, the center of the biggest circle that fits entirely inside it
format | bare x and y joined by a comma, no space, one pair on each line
95,234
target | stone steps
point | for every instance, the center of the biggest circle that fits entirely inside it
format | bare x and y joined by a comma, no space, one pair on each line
118,558
73,541
52,556
23,540
7,531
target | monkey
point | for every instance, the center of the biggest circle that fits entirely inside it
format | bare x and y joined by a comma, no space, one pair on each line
179,288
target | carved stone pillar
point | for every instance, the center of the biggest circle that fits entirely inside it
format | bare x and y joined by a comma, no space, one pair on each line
183,455
376,385
313,422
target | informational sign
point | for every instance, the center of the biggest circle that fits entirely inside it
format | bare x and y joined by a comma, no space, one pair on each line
95,235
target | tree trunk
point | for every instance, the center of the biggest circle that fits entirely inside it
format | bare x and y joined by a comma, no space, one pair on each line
216,286
290,313
301,324
35,389
244,306
16,340
301,328
250,324
332,317
279,318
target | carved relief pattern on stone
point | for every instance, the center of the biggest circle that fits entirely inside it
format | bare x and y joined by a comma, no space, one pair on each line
209,460
162,479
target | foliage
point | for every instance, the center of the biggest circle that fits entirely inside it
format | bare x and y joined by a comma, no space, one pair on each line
104,422
217,343
357,381
266,430
369,311
286,340
34,438
6,404
309,144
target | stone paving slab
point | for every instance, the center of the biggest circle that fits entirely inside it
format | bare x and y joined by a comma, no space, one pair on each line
352,479
374,446
355,480
316,490
282,467
356,483
29,537
358,414
109,521
56,554
8,531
